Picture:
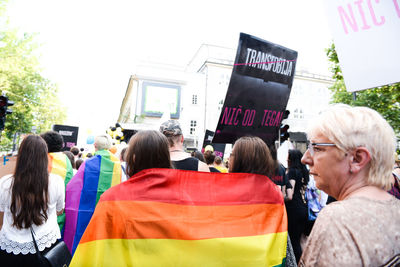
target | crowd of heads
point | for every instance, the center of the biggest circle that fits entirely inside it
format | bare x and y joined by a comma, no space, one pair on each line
348,146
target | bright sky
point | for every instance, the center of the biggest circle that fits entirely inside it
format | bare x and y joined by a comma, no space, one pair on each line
91,47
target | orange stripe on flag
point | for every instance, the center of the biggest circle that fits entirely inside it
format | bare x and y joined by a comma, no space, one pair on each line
146,219
50,157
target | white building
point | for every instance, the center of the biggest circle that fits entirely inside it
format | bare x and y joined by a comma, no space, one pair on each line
195,94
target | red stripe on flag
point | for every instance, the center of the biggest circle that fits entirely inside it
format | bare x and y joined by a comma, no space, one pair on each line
196,188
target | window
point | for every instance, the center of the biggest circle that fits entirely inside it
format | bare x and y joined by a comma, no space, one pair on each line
295,115
298,113
156,97
194,99
193,125
220,104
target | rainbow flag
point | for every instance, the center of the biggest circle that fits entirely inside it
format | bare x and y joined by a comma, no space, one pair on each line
95,176
60,164
166,217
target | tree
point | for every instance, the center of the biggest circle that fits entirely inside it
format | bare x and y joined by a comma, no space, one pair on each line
35,97
385,99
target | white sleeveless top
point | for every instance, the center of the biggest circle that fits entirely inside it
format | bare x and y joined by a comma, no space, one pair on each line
18,241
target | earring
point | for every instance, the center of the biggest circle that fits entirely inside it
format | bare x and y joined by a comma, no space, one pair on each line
351,171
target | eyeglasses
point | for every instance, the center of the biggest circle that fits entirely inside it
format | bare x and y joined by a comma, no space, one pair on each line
311,146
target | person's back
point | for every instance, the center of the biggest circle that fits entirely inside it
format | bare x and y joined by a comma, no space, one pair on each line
196,218
219,165
180,159
209,157
183,218
59,163
30,200
189,164
94,177
251,155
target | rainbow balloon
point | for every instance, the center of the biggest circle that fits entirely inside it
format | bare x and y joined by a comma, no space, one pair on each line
166,217
93,178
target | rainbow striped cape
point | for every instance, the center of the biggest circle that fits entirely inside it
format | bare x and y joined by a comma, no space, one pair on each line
166,217
95,176
60,164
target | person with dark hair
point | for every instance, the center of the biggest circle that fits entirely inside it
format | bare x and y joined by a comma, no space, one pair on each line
296,205
170,217
78,163
251,155
71,158
75,151
30,200
197,154
279,177
180,159
59,163
54,141
209,156
147,149
219,165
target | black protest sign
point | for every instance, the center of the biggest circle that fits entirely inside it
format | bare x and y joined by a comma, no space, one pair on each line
69,134
258,91
219,149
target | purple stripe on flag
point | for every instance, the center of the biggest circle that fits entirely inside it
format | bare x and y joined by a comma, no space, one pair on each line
72,201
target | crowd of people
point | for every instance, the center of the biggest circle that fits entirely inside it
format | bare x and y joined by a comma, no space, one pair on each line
58,196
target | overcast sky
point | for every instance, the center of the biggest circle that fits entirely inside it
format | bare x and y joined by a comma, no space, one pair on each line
90,48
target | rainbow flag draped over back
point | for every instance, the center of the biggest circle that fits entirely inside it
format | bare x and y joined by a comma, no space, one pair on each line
95,176
60,164
166,217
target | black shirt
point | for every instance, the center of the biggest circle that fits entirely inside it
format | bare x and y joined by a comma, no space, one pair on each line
190,164
280,176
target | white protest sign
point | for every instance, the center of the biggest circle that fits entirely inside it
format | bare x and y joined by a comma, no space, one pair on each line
367,39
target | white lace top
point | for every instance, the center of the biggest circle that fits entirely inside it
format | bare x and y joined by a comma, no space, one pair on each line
18,241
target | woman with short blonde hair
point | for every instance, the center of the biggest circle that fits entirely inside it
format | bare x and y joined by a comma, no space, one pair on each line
350,155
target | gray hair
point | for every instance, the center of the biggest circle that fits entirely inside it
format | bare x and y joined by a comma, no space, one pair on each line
102,142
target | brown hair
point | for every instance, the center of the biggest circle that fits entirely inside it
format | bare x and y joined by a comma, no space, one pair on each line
147,149
217,160
173,139
71,158
209,156
29,195
251,155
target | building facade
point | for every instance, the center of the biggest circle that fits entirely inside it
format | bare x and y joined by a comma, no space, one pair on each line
195,95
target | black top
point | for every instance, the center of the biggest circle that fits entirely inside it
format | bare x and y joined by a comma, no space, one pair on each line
190,164
296,174
280,176
213,169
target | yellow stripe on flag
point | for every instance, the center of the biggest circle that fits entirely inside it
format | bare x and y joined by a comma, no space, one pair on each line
262,250
117,171
116,178
59,164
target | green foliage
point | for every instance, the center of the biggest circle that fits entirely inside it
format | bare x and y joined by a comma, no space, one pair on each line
385,99
35,97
